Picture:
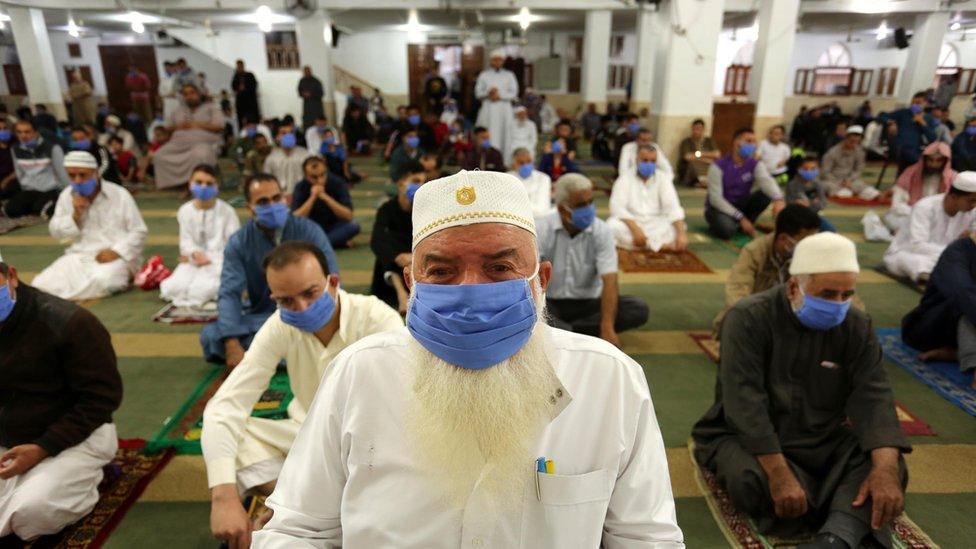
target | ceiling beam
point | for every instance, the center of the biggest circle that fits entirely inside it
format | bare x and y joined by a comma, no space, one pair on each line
278,5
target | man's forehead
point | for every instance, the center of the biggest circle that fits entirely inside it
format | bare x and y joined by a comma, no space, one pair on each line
481,239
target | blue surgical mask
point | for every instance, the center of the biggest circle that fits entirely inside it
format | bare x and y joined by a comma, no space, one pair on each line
412,189
525,171
646,168
251,131
916,109
30,143
5,135
747,150
288,141
473,326
485,143
85,188
822,314
412,141
203,192
314,317
809,175
583,217
633,127
970,131
413,119
80,144
6,302
272,216
557,147
329,140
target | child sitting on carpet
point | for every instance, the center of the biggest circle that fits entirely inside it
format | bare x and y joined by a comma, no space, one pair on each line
807,190
206,223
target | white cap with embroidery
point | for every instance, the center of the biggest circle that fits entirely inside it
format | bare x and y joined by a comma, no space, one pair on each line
824,253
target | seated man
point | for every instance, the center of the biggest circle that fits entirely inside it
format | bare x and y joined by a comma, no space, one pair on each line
483,156
806,189
763,262
406,153
943,326
390,241
195,129
60,387
842,165
775,153
583,294
935,221
286,160
226,339
912,128
254,159
696,154
932,174
537,184
803,435
314,322
437,425
113,128
556,161
324,198
315,133
38,163
645,213
628,155
106,231
732,204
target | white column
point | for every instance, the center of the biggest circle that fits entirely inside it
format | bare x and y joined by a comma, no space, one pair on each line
923,54
648,35
315,52
684,68
36,58
771,61
596,57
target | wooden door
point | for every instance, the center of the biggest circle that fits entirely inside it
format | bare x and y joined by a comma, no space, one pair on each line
729,117
115,65
472,63
420,59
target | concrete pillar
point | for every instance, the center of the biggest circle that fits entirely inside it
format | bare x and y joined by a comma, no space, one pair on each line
37,59
596,58
648,36
923,54
771,61
316,53
684,69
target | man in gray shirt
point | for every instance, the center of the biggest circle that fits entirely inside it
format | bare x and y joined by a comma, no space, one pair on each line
39,164
803,434
583,294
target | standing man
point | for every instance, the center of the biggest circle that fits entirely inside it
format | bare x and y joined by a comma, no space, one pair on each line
169,89
496,87
139,86
432,435
245,88
311,91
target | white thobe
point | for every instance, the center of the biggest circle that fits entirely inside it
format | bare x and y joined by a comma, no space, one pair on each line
653,204
539,187
113,222
521,134
350,479
59,490
900,212
628,160
313,139
771,155
287,167
232,440
548,117
917,247
168,91
205,231
496,115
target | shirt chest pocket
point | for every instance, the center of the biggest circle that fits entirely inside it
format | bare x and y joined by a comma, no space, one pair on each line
565,510
827,386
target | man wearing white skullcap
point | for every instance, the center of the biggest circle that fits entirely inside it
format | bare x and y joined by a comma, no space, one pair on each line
106,231
935,222
496,87
803,435
477,425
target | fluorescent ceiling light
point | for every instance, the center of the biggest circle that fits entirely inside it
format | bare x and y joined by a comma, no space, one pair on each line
882,31
73,29
524,18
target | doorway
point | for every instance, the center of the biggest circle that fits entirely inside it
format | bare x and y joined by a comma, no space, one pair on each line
458,65
729,117
115,65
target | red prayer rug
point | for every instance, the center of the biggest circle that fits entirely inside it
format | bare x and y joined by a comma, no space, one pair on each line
911,425
126,477
645,261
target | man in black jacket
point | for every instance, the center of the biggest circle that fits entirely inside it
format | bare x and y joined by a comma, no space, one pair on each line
59,387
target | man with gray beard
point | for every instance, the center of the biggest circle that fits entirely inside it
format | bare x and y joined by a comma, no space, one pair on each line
478,425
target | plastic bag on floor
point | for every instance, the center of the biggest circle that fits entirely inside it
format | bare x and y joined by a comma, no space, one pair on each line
874,229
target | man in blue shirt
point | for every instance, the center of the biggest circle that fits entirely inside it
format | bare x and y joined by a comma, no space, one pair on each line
914,129
237,322
324,198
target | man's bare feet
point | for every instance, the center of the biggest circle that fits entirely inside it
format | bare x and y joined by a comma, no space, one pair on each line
943,354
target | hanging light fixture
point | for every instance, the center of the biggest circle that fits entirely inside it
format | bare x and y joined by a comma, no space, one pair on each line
524,18
73,29
263,14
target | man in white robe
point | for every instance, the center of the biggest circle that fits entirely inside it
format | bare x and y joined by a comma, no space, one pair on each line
522,135
935,222
244,454
478,425
645,213
168,89
628,155
286,160
106,231
496,88
538,184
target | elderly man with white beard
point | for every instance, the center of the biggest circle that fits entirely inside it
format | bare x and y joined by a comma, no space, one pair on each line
478,425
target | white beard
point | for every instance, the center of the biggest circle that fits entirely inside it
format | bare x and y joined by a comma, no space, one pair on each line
478,426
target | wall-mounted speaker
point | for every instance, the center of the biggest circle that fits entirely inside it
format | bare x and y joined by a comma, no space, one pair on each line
901,38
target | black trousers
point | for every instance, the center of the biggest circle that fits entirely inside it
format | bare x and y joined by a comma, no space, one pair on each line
583,315
21,202
725,226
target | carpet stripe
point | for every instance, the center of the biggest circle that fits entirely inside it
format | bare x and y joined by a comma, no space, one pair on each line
44,240
139,344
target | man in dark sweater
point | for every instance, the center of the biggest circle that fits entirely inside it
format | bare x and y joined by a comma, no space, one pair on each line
392,239
59,387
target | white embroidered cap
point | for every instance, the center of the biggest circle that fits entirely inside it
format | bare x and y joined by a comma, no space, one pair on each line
80,159
824,253
468,198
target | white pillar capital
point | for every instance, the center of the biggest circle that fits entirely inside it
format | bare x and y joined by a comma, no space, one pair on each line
923,54
596,57
37,59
